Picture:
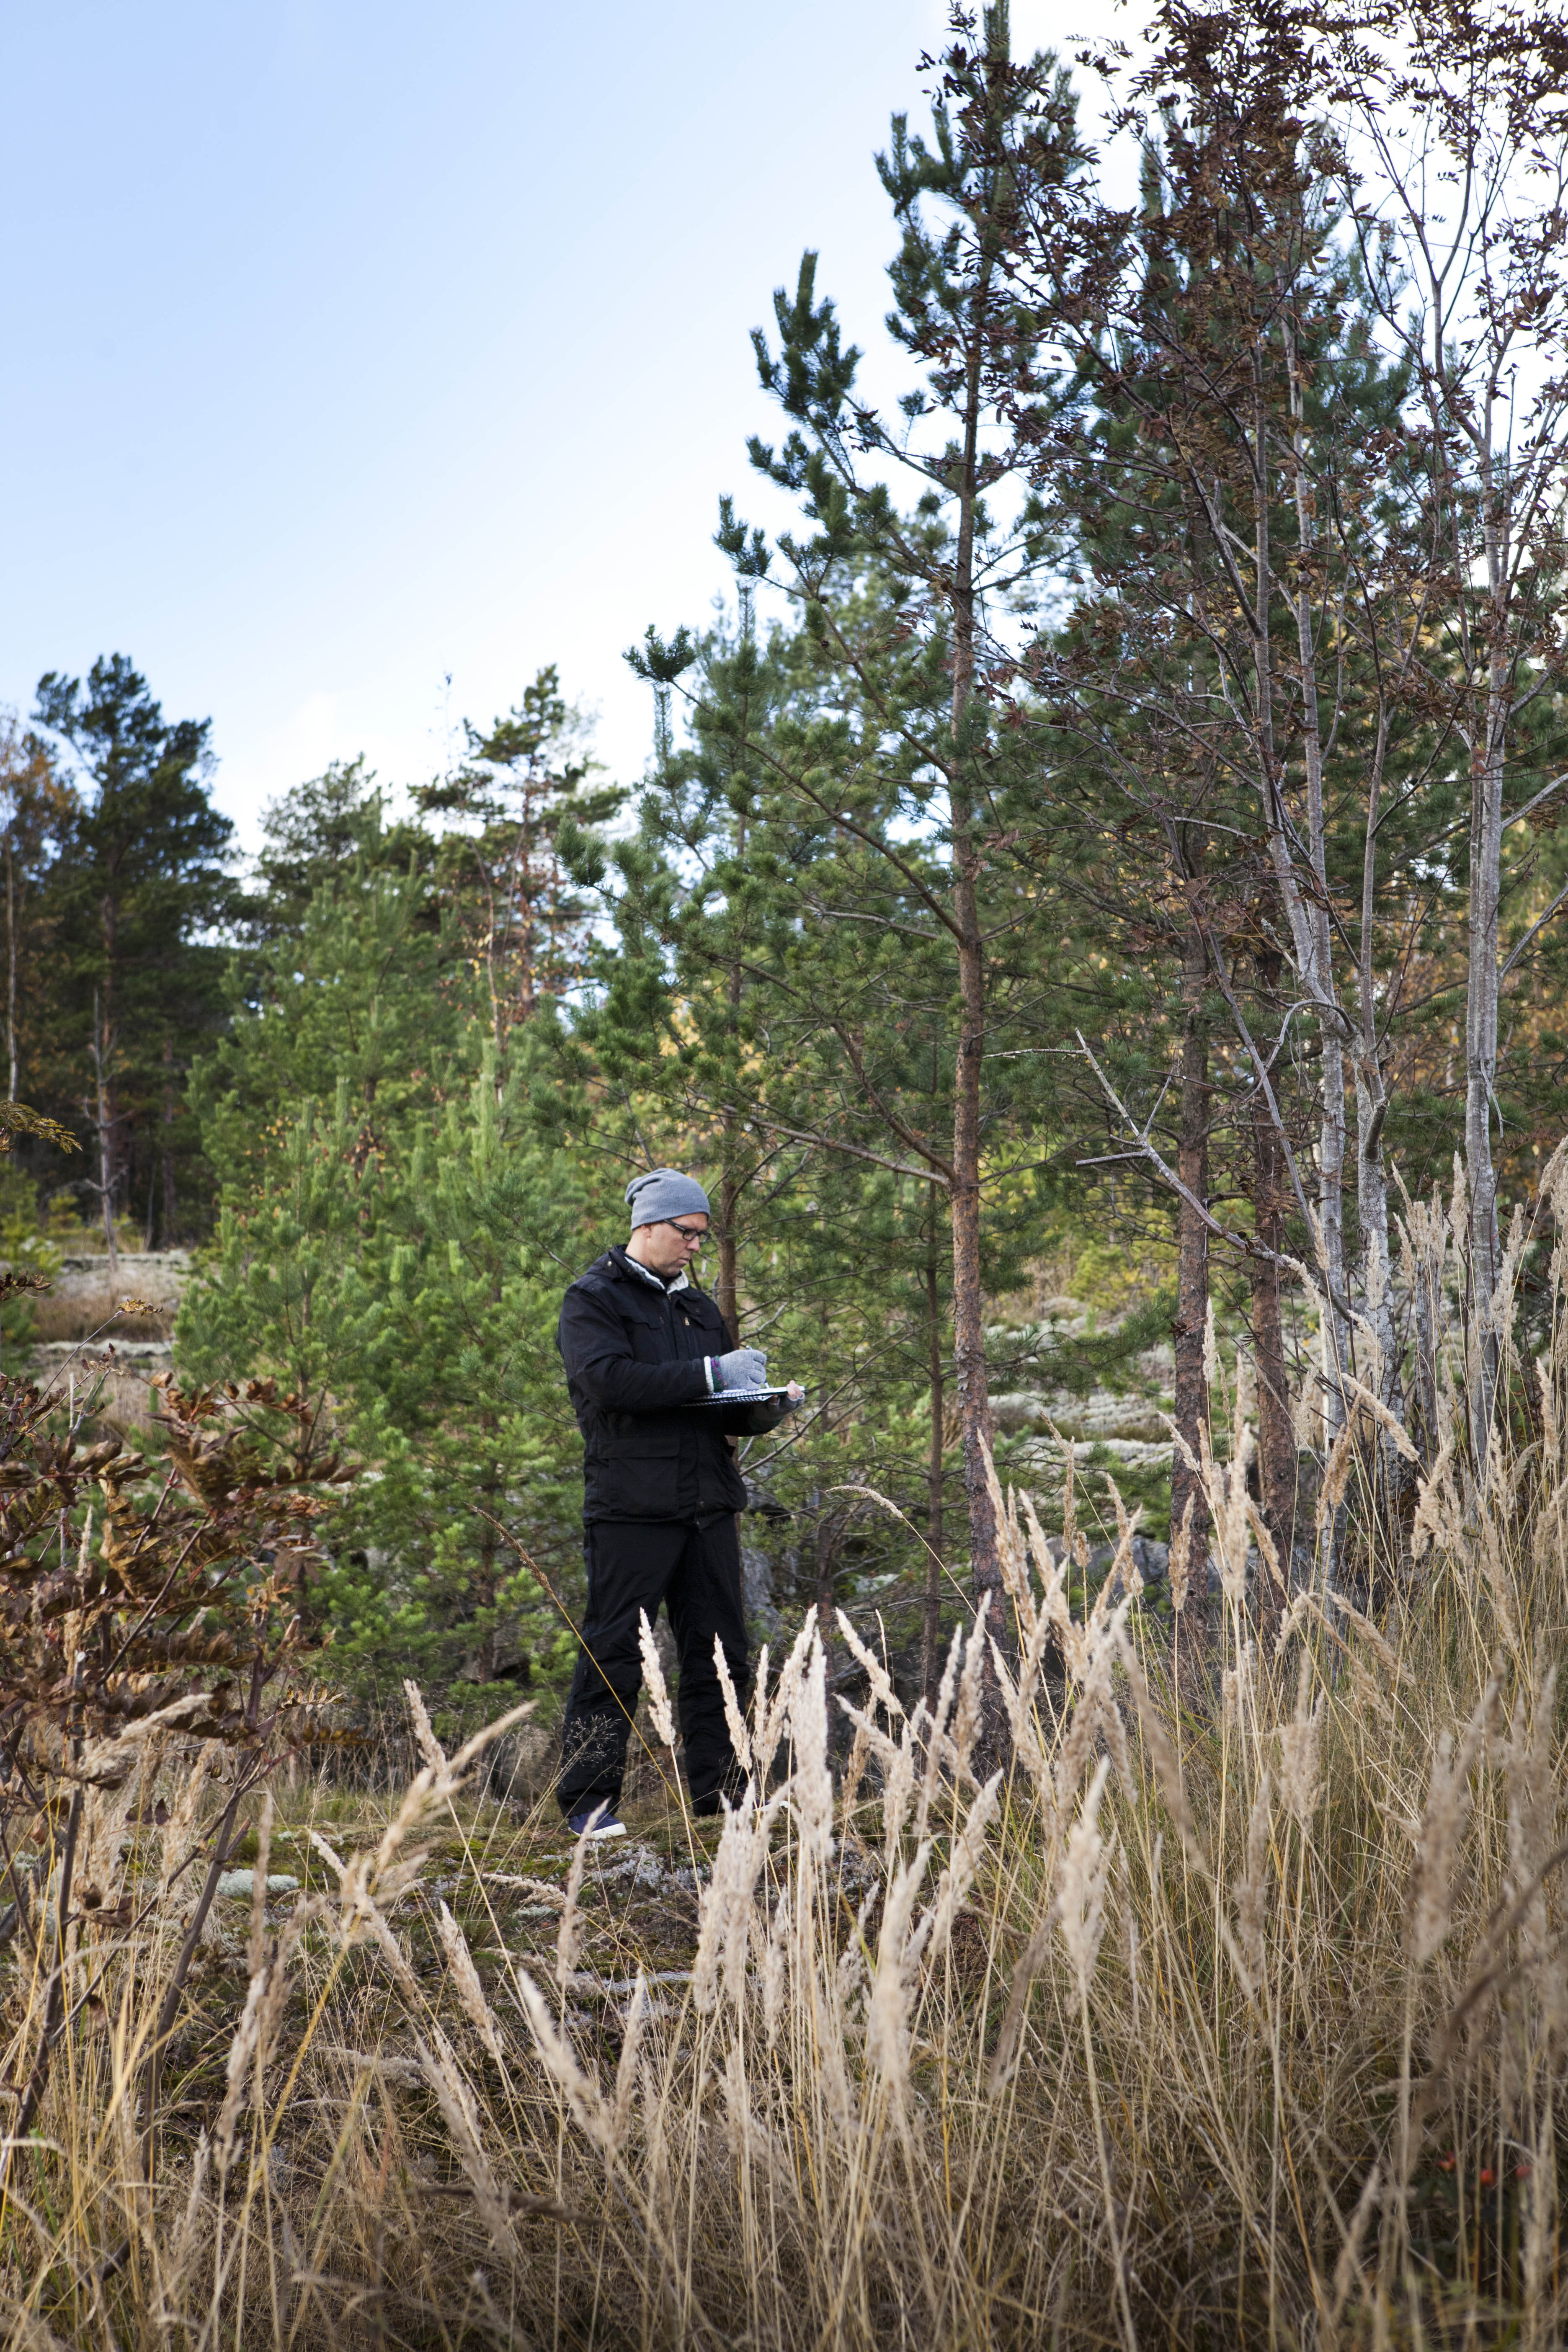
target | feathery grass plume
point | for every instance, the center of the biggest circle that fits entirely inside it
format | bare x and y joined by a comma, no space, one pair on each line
1267,1552
1438,1519
898,1790
812,1791
738,2117
776,1972
1069,1494
307,1910
457,2112
1211,1349
569,1935
852,1973
937,1744
1017,1699
1551,1422
1305,1605
1337,1471
429,1747
728,1889
1042,1556
739,1738
653,1674
968,1850
1011,1550
1437,1845
241,2051
625,2092
183,1833
1238,1686
368,1880
1385,1418
1181,1563
369,1924
1492,1549
1162,1753
882,1691
767,1721
466,1978
869,1737
257,1953
183,2251
1004,2057
1096,1713
1300,1783
887,2015
1081,1882
1252,1887
1232,1508
966,1715
560,2062
1532,1806
799,1651
1127,1522
854,1769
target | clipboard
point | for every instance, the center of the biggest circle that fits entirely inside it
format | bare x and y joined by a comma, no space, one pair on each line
743,1396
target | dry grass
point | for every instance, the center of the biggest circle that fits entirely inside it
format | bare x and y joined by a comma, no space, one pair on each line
1244,2028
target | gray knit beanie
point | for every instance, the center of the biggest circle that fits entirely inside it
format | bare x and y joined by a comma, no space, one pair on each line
664,1193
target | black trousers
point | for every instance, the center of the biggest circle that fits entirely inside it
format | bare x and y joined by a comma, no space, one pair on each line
632,1565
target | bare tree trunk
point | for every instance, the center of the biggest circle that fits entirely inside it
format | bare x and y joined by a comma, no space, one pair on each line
1372,1107
1192,1295
168,1154
727,1289
1313,937
830,1531
1480,1038
968,1317
103,1122
930,1631
1276,1431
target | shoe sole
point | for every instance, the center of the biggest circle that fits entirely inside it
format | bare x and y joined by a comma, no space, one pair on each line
610,1829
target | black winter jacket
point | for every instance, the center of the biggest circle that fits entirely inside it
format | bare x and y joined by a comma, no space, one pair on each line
633,1366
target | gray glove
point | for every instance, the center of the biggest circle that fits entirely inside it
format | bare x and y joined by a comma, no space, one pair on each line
743,1368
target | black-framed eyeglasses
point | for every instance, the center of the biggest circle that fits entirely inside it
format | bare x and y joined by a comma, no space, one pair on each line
686,1233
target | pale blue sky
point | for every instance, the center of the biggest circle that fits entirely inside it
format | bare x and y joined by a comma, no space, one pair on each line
352,345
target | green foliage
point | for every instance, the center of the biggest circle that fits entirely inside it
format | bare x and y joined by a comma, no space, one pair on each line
137,886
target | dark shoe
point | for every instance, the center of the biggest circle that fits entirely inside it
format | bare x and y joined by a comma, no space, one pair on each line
595,1822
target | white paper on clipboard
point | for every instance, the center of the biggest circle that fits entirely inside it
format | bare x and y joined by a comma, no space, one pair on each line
744,1396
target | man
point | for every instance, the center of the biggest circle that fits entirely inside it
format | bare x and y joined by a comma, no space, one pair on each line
644,1349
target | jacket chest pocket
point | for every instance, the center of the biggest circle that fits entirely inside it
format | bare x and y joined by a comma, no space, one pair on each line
650,1341
691,1337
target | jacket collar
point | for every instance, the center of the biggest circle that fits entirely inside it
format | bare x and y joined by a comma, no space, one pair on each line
620,1257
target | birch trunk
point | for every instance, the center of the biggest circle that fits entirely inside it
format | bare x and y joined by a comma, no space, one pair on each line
1276,1428
1481,994
1191,1398
1313,934
1372,1106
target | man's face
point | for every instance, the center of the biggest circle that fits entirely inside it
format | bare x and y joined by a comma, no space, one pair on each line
669,1247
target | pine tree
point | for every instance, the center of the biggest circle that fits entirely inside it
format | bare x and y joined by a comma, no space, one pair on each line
504,808
139,885
905,787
